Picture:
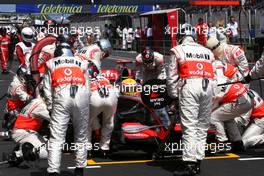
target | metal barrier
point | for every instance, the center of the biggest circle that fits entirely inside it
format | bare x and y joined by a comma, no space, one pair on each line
163,46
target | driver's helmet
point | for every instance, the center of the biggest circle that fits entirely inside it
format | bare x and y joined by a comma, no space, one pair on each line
147,56
129,87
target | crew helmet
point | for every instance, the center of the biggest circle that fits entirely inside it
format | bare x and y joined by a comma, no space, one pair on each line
184,31
147,56
27,34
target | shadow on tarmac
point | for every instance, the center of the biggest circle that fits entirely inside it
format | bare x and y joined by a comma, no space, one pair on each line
42,172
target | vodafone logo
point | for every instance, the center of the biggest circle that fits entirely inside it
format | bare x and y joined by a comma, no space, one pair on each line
199,66
68,72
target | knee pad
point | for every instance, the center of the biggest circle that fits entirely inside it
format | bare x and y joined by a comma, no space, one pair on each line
28,152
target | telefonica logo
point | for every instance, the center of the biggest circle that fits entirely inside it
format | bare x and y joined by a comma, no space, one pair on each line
53,9
116,8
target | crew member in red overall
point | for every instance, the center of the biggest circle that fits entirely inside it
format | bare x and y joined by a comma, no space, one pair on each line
201,31
4,42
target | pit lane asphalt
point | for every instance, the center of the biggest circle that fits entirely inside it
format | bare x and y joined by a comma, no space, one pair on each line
135,163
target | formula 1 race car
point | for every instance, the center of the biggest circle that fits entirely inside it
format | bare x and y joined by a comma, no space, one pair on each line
138,127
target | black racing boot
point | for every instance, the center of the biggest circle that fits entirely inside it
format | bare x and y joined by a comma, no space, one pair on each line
198,166
190,169
78,172
104,154
53,174
89,154
238,146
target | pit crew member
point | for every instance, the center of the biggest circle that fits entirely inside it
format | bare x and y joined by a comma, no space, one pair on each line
151,65
190,77
66,91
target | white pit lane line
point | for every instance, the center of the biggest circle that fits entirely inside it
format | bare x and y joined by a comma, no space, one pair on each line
250,159
87,167
12,72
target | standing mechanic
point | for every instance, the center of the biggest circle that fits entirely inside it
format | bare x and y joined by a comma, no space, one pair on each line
103,97
66,89
190,80
97,51
231,54
4,43
151,65
202,31
103,100
24,48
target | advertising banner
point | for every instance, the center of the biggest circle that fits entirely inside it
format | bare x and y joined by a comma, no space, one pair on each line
77,8
52,8
101,8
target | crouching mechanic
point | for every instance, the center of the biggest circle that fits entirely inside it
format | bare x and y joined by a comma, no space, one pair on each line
66,90
231,101
20,90
190,79
19,93
31,145
103,100
254,134
151,65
